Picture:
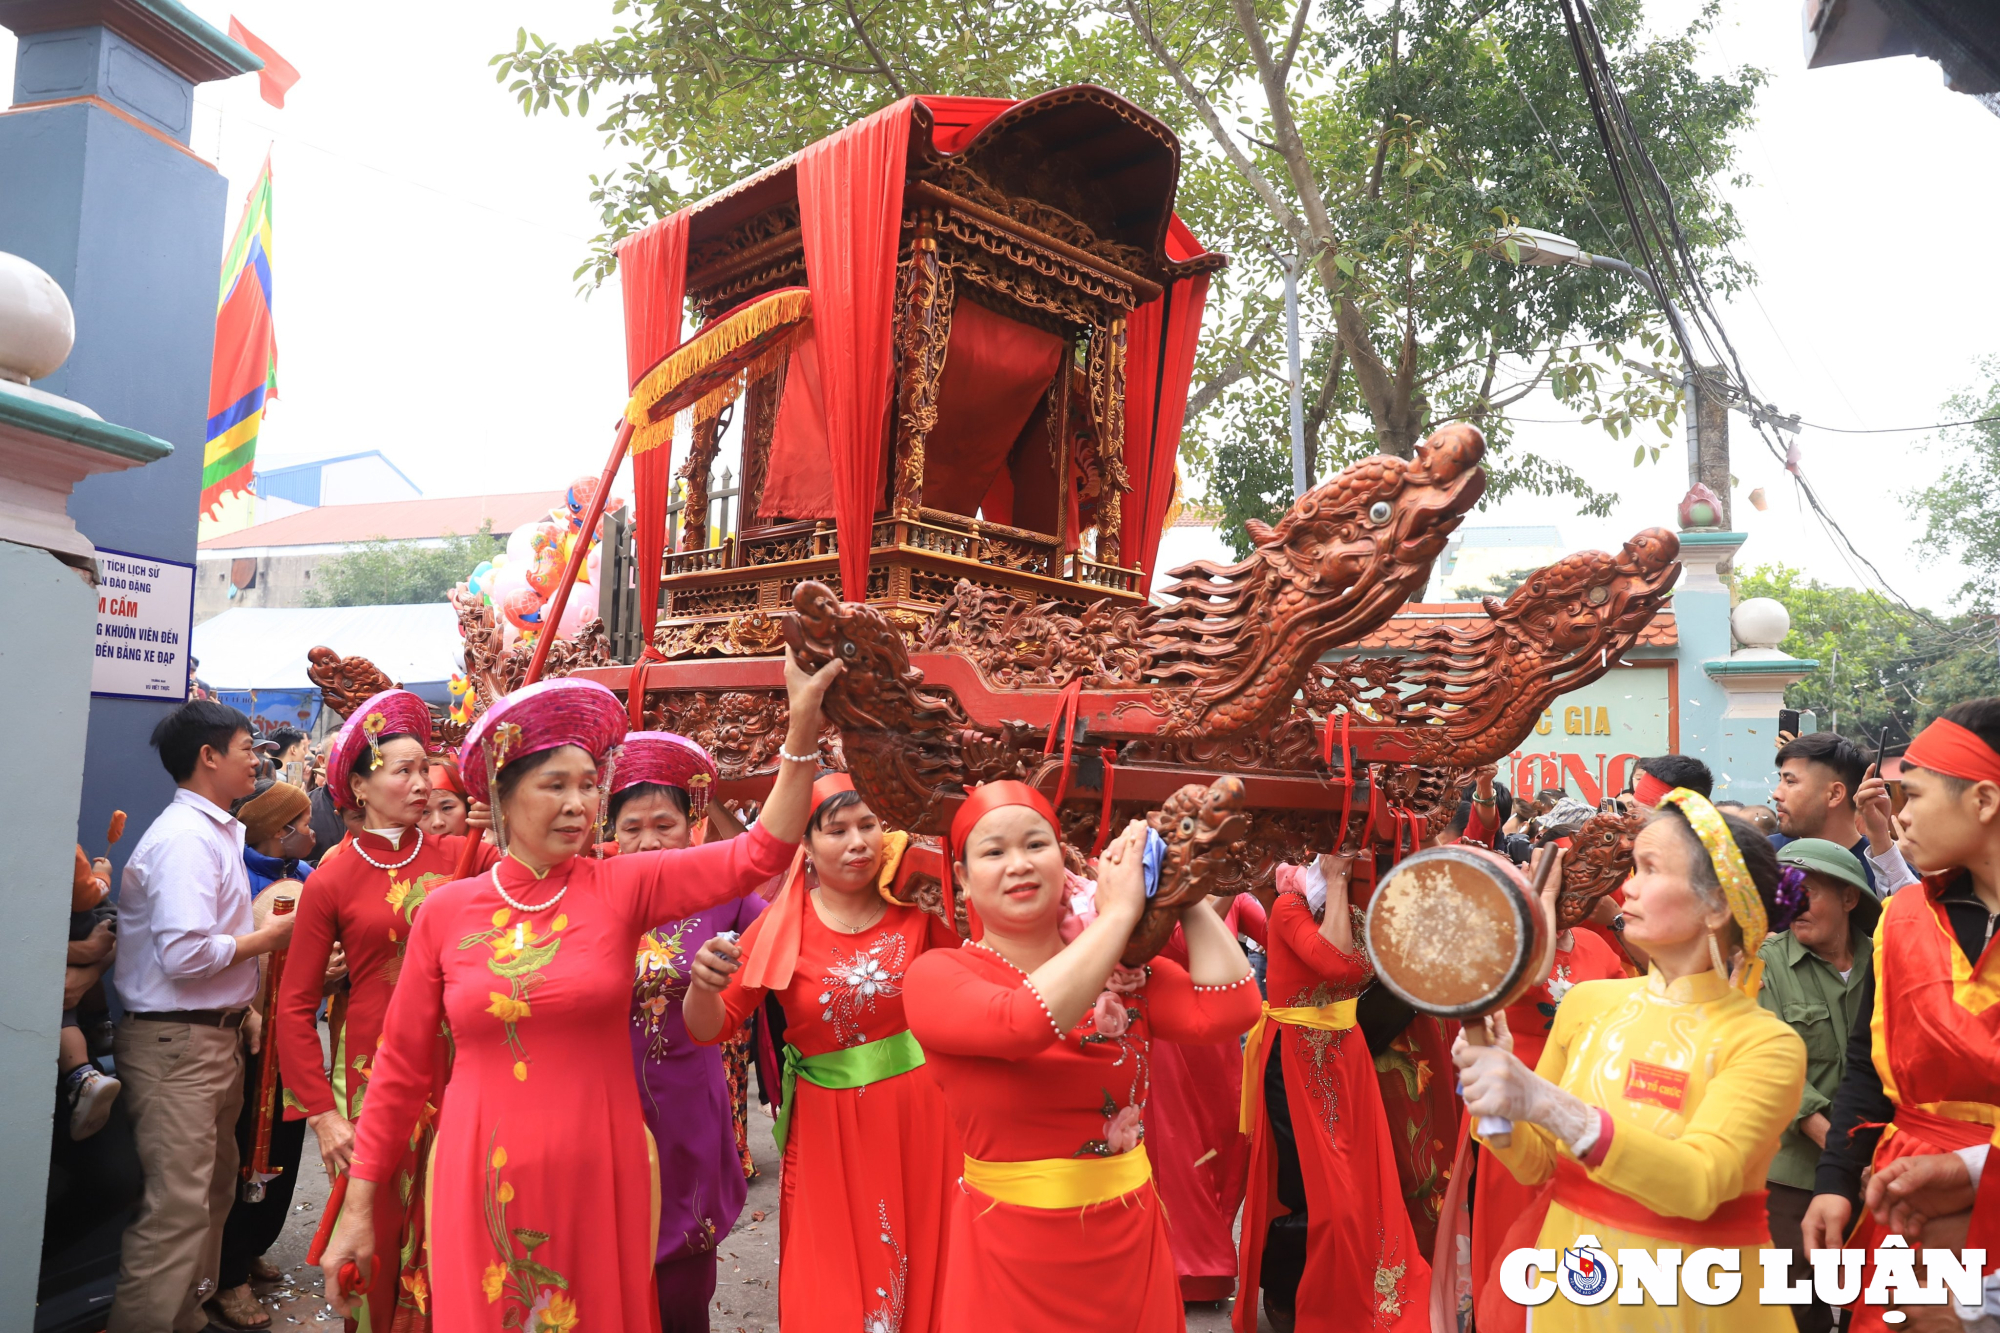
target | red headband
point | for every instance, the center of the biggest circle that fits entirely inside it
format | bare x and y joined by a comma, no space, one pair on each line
1946,748
829,786
1648,790
445,775
988,797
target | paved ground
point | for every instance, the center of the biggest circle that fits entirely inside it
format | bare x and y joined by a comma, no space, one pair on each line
746,1288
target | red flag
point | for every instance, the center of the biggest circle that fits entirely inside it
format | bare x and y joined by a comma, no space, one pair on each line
277,76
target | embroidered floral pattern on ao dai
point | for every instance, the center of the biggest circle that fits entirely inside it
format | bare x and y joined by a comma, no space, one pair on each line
854,984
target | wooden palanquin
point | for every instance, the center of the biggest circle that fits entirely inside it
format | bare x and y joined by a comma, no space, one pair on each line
1035,253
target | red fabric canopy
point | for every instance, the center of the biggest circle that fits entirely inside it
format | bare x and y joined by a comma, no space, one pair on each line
826,453
652,275
850,215
1159,349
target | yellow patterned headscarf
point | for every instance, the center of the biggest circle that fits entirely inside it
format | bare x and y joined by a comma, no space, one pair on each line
1745,904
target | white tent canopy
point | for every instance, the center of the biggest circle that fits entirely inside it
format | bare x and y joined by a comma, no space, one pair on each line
264,648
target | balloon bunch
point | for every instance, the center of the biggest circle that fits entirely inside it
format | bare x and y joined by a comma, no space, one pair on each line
461,699
520,581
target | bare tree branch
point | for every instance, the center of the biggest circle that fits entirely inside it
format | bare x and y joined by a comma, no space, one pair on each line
1204,108
1239,368
861,31
1292,42
1390,407
1316,415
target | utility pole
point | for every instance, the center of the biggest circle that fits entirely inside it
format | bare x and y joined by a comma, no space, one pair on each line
1708,436
1300,481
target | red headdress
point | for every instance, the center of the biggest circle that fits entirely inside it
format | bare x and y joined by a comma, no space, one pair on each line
1648,790
445,775
669,760
390,713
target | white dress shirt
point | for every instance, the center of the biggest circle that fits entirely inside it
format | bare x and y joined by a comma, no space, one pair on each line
1892,871
185,897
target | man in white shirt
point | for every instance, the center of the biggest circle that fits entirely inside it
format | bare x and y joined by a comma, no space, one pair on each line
187,973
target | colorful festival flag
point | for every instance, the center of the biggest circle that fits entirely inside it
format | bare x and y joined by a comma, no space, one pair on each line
245,372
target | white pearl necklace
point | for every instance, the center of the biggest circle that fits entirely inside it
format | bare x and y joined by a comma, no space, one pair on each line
518,906
380,865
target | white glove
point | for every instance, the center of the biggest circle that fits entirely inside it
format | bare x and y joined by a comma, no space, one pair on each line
1315,886
1497,1084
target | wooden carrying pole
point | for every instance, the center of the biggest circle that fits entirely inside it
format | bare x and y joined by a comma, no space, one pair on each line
587,534
469,853
258,1169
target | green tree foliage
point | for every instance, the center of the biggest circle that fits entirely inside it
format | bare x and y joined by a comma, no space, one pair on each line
1879,665
1961,513
1389,144
388,573
1499,585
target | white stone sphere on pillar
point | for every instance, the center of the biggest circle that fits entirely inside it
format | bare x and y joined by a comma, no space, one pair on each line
1760,622
37,326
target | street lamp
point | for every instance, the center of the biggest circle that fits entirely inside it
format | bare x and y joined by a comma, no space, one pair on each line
1542,248
1545,248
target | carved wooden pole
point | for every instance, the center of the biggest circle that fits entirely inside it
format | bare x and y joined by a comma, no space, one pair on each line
923,335
701,459
1107,386
1059,443
760,424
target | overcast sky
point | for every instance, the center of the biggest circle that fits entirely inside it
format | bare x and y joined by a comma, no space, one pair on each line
426,232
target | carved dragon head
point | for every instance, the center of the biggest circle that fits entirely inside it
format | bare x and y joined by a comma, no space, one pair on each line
1344,557
1599,860
1381,522
1202,827
1591,598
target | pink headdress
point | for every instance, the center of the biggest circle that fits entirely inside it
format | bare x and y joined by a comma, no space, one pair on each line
670,761
541,717
390,713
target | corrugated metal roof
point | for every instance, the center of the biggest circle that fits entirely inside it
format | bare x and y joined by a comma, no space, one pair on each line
399,520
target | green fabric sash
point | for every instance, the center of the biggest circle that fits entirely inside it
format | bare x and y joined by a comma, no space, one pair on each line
854,1067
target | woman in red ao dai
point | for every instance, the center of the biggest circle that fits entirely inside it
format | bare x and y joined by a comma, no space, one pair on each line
1056,1222
544,1193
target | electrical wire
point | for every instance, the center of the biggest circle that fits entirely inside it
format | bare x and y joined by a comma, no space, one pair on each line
1669,262
1902,430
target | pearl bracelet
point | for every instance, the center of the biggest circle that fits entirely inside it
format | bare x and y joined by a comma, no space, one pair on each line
1247,977
789,757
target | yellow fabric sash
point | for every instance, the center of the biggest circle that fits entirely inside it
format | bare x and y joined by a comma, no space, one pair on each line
1060,1182
1335,1017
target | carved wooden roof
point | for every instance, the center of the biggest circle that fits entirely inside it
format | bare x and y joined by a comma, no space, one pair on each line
1076,158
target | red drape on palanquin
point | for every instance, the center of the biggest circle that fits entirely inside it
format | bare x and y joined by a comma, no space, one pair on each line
652,274
827,453
1159,362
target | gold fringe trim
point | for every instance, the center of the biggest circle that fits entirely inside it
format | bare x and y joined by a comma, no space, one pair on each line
659,398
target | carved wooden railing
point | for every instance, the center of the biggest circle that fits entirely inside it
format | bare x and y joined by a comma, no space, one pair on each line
918,557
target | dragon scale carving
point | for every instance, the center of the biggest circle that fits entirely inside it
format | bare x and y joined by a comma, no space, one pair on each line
1467,697
1337,566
